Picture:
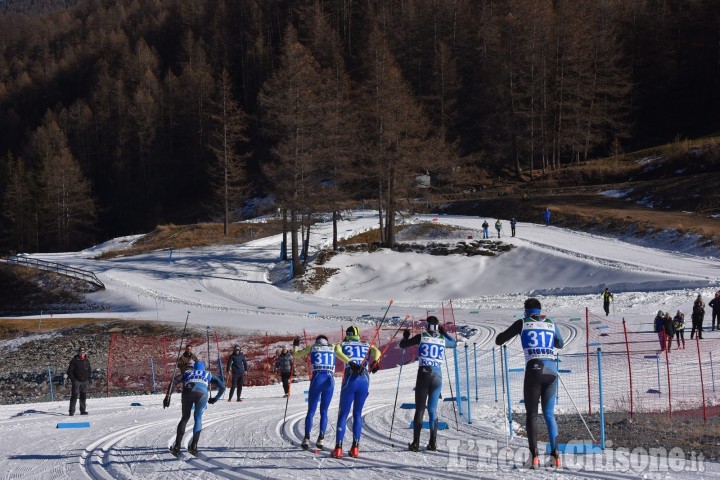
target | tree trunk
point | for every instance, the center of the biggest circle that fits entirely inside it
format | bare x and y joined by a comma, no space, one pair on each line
306,243
284,255
390,235
335,230
380,213
297,266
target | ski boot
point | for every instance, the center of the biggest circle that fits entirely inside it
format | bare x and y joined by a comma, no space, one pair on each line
193,446
415,445
175,449
305,443
532,463
554,460
355,449
337,451
432,445
319,443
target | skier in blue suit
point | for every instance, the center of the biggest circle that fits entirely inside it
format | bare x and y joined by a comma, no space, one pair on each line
196,383
353,352
431,355
540,337
322,385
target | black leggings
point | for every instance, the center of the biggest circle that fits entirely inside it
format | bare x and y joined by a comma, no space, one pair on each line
190,399
286,381
237,381
428,384
540,385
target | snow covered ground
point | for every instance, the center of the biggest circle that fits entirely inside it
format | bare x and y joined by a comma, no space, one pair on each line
243,287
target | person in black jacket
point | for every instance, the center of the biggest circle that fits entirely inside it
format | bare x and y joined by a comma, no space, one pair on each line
79,374
715,305
237,366
698,315
284,365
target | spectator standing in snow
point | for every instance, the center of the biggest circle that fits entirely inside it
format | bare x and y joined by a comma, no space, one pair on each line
284,365
184,359
658,328
485,227
607,297
513,222
498,227
698,316
236,366
668,330
547,217
715,305
79,373
679,324
195,393
539,337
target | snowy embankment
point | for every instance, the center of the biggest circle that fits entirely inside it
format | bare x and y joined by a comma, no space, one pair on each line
238,287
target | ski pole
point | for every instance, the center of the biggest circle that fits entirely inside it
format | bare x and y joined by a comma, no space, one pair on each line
208,359
377,335
397,390
505,417
172,379
577,409
457,425
287,399
382,354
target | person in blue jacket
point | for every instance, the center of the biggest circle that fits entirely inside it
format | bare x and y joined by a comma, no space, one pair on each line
196,382
356,355
539,337
322,384
431,355
547,217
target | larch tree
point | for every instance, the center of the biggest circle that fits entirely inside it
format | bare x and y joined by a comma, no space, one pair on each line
67,209
229,123
293,101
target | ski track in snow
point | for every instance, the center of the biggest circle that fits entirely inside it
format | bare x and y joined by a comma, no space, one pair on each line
237,286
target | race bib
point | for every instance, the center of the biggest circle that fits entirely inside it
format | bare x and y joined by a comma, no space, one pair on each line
431,351
538,339
322,358
355,350
197,377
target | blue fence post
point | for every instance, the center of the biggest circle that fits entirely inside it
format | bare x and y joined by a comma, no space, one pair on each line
152,369
712,371
602,407
50,383
220,367
170,256
495,375
507,388
467,381
477,396
458,395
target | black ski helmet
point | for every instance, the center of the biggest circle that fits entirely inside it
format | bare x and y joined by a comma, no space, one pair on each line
352,331
432,323
321,339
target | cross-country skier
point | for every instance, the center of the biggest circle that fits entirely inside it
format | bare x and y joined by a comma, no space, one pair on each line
236,366
353,352
322,384
431,355
539,337
196,382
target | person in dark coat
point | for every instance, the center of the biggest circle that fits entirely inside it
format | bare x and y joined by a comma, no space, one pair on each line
698,316
547,216
237,366
485,227
668,329
284,365
715,305
79,373
658,328
184,359
513,222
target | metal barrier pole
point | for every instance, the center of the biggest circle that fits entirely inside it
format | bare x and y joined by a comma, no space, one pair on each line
152,370
467,381
476,372
458,395
712,371
602,407
50,383
507,382
495,375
